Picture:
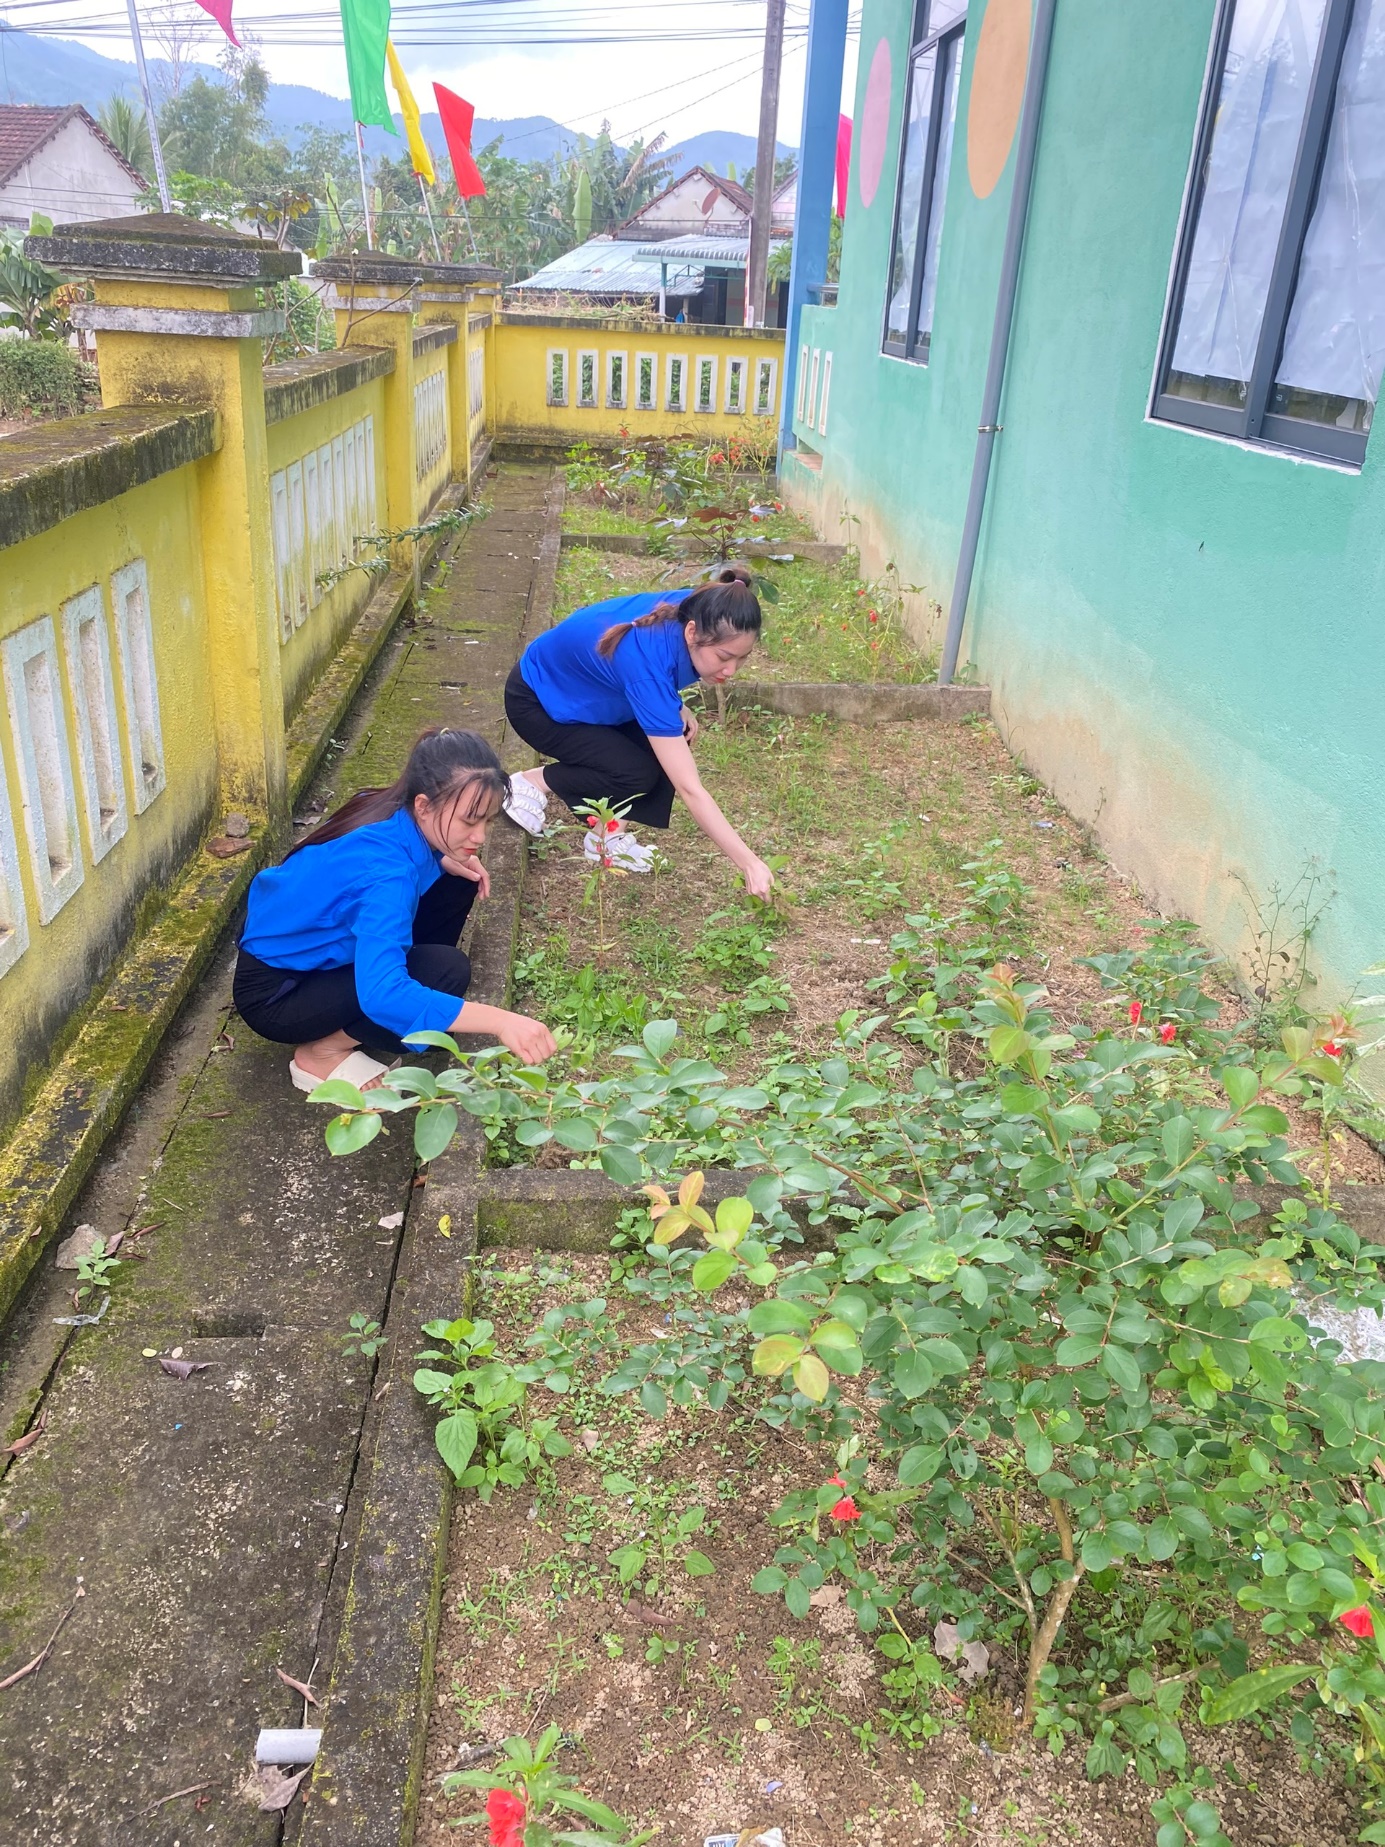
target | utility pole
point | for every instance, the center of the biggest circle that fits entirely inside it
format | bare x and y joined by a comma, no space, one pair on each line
758,259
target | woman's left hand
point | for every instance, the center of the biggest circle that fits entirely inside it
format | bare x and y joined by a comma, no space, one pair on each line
468,867
690,726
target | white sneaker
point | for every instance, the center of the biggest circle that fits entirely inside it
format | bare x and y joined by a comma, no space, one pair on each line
623,851
527,805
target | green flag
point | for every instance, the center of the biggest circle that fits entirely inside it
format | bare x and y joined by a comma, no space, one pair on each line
365,28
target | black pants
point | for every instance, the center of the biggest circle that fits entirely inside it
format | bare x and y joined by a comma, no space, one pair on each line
293,1007
615,763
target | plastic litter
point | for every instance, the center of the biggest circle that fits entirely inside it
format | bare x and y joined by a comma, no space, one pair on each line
82,1321
298,1745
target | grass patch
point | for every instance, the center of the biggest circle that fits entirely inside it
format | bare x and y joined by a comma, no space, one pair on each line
820,630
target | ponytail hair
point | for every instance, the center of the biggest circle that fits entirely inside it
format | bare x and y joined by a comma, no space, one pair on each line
442,764
726,606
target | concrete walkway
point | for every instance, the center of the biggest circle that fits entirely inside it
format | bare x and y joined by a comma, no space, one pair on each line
200,1531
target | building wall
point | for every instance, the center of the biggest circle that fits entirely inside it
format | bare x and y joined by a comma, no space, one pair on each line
326,488
71,179
1181,632
108,754
553,379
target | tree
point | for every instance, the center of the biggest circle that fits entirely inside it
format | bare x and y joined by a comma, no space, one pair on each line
621,179
128,128
216,129
784,169
523,221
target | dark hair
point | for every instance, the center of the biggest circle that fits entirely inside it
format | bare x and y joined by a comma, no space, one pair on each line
442,763
725,606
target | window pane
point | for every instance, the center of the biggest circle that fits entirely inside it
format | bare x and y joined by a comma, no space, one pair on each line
952,71
1334,348
1260,108
910,194
939,15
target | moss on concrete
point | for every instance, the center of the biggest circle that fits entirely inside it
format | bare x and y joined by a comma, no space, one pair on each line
57,469
300,384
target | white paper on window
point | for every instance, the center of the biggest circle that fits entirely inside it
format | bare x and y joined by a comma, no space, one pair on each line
910,194
942,166
1264,93
1335,341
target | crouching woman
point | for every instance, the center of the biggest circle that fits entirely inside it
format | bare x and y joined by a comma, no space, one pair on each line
353,940
602,695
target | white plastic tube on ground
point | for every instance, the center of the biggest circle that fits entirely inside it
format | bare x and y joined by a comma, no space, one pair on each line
298,1746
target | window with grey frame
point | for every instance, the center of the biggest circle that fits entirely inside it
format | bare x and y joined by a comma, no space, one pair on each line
925,161
1277,326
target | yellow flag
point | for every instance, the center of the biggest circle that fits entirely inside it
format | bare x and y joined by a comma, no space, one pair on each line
408,108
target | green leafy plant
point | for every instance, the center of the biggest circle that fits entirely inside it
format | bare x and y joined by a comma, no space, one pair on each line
95,1269
528,1799
1086,1362
366,1337
484,1435
667,1548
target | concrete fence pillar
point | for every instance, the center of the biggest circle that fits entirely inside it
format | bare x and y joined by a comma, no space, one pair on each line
178,320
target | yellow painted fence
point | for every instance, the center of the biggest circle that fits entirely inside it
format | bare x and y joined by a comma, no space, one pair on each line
182,569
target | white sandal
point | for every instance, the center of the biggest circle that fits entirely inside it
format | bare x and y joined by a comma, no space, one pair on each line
356,1068
527,805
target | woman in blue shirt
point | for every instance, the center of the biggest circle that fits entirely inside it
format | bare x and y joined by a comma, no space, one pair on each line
353,939
601,693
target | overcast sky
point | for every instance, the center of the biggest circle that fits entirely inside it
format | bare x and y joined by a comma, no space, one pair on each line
701,72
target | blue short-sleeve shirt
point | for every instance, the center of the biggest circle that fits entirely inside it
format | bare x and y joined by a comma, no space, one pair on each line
353,900
643,680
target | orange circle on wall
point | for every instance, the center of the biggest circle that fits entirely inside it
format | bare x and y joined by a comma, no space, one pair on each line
997,91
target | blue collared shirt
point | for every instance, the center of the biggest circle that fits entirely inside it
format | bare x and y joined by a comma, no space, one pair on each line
353,900
642,680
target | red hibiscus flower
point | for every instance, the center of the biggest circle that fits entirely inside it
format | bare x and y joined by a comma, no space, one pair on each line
1136,1012
845,1508
506,1813
1168,1032
1358,1621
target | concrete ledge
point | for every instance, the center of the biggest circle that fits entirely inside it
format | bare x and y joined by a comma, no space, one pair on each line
369,1771
857,702
300,384
58,469
377,266
191,323
693,331
636,544
438,333
43,1165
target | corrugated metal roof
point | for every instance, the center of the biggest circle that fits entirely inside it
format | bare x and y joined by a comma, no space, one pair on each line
715,252
603,266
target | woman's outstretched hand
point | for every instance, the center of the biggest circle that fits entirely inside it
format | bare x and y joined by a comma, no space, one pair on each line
468,866
758,878
529,1040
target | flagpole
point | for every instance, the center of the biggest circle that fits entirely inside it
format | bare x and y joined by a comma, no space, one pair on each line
470,233
423,194
360,161
164,199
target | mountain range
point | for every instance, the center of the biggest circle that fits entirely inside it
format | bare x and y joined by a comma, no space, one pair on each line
56,70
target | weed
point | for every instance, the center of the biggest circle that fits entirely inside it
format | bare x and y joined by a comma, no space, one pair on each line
366,1337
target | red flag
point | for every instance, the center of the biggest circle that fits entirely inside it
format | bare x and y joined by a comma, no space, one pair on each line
843,161
220,11
457,116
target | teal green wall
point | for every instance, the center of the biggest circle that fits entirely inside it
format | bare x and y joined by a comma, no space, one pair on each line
1183,635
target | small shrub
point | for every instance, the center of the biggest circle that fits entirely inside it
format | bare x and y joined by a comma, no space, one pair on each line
40,378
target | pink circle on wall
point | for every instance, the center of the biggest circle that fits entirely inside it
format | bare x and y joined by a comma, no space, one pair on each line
875,122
